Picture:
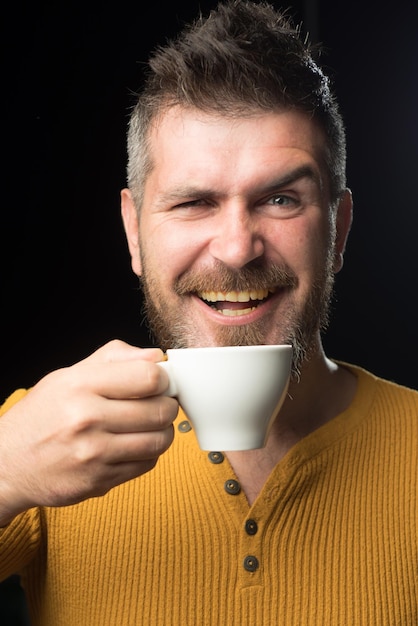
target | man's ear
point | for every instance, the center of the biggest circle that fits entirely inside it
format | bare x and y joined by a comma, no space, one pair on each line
344,220
131,224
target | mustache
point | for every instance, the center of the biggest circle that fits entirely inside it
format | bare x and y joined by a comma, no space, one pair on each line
222,278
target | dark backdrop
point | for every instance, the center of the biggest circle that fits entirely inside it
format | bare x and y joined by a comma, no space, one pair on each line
68,71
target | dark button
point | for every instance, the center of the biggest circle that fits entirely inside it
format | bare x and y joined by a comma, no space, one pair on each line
216,457
184,426
232,487
251,527
251,563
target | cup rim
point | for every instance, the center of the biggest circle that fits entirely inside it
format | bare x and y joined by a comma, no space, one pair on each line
282,346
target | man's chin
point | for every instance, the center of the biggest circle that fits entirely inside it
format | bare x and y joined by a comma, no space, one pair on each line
179,335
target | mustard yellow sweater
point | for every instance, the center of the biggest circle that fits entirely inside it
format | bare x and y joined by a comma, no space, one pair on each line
331,540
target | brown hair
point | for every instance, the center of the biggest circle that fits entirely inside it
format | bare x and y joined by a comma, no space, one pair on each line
243,58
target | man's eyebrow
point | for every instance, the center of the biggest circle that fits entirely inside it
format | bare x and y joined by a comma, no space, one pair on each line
183,192
304,171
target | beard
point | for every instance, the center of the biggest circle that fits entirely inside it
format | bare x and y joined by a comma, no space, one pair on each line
299,324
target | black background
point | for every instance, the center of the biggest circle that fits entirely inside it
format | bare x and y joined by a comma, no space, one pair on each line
68,74
68,70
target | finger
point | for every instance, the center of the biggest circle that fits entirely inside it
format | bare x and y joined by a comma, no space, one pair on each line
136,416
109,448
116,380
117,350
138,447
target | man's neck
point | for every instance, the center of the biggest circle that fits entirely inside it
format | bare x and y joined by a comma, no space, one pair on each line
324,391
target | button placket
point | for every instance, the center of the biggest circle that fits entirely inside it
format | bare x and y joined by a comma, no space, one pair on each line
250,545
248,556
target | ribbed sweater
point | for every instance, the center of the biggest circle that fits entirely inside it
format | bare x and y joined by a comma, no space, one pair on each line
332,538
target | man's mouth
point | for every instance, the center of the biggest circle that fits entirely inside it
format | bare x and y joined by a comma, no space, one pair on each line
234,303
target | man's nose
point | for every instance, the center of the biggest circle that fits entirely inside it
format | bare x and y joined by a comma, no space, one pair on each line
237,240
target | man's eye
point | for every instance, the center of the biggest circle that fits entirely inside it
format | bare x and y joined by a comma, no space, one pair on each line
190,204
281,200
281,206
192,209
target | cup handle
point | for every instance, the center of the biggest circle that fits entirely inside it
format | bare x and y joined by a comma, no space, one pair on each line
172,389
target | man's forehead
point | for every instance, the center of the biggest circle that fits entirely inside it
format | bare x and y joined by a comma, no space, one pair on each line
177,119
188,138
180,133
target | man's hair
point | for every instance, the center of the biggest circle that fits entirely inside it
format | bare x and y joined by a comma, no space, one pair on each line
243,59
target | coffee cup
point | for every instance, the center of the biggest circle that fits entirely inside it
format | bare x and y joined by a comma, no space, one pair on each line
230,394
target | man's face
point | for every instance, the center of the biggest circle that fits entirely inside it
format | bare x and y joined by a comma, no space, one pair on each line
236,243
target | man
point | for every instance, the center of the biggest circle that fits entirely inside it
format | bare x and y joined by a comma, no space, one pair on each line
236,216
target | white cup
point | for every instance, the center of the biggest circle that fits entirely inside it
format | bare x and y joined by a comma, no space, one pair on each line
231,394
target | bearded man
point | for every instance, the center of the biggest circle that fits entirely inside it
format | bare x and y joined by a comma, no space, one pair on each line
237,215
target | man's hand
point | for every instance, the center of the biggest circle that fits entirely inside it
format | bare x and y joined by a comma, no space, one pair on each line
84,429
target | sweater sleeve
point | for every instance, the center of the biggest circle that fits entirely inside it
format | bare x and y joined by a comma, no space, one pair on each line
19,541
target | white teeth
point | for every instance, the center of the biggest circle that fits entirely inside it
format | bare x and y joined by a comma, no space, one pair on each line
235,296
236,312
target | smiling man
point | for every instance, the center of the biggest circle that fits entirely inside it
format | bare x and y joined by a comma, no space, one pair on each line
237,215
237,241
